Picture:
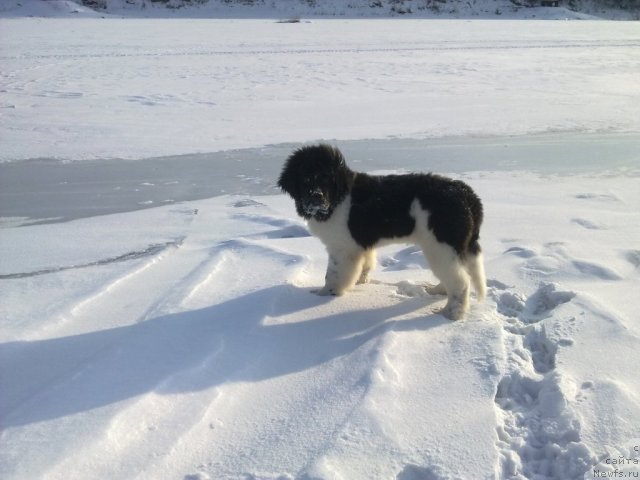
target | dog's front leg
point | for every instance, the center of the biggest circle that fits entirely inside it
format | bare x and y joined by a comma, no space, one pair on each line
343,270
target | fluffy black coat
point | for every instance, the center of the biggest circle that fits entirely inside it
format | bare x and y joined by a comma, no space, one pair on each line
318,179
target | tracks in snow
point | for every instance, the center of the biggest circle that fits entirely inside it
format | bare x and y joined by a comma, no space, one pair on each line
538,433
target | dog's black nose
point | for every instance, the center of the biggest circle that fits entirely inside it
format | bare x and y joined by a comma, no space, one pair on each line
316,194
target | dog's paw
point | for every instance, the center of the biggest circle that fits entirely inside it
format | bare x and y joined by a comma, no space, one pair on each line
452,312
325,292
449,314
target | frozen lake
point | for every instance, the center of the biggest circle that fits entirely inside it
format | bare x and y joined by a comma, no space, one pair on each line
60,191
135,89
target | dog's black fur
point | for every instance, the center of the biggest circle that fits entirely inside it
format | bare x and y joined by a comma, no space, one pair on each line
318,179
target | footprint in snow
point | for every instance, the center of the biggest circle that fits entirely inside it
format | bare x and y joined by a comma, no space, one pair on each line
511,304
414,472
588,224
546,299
284,228
543,350
594,270
600,197
583,393
633,257
530,309
197,476
521,252
247,202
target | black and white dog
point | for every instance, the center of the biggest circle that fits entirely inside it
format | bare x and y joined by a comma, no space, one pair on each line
352,213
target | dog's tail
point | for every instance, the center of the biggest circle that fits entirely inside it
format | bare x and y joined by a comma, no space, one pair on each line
474,265
474,261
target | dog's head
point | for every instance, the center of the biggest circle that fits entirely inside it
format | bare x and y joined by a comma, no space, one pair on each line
317,178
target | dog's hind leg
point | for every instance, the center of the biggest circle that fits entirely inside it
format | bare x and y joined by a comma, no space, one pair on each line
457,300
474,264
454,279
368,264
456,283
343,270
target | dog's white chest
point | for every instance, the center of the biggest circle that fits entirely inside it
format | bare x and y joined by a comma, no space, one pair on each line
334,232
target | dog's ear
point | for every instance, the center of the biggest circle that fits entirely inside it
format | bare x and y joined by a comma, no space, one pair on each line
288,180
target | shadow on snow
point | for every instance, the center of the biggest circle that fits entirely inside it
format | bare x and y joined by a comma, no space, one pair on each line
237,340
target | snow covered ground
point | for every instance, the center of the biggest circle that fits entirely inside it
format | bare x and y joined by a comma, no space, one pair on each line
140,88
174,336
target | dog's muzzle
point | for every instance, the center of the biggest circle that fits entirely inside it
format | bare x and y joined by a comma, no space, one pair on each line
316,203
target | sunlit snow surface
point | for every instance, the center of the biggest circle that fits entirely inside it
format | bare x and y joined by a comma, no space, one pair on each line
108,88
156,314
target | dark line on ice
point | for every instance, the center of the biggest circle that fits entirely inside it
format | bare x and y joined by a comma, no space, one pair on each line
149,251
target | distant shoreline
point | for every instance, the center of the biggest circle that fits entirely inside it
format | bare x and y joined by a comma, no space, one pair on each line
291,11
